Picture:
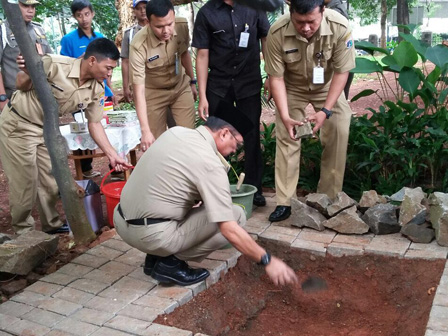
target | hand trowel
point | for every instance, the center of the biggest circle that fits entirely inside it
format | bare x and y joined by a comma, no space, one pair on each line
314,284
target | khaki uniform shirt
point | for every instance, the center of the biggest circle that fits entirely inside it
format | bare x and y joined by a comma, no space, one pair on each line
128,36
153,62
9,50
293,57
63,76
181,167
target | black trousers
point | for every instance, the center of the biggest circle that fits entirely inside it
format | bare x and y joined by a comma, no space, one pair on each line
251,107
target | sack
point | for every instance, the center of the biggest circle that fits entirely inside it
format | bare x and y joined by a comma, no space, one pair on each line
264,5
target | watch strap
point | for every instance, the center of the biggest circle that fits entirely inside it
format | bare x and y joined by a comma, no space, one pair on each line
327,112
265,259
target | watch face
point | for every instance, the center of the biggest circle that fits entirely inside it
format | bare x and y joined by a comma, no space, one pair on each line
3,98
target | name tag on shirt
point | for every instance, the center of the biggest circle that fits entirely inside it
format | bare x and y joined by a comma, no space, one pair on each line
290,51
153,58
244,40
318,75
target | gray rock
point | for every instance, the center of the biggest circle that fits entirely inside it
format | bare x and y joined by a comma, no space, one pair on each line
21,255
398,196
418,233
438,215
369,199
342,202
382,219
319,202
412,206
304,215
347,221
4,237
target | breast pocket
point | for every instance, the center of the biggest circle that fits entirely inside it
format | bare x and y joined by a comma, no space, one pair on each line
327,55
154,62
292,58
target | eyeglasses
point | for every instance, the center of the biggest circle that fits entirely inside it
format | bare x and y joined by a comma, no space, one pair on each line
239,145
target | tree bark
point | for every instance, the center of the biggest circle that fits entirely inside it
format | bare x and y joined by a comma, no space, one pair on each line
55,142
402,15
383,23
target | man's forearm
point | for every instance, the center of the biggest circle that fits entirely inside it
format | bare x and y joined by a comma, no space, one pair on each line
187,64
336,87
140,106
98,134
202,71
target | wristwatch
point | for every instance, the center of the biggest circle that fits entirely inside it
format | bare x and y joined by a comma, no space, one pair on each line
3,98
327,112
193,82
265,260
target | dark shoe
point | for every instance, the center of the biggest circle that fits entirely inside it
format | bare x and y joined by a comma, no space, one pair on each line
172,270
259,200
63,229
280,213
150,262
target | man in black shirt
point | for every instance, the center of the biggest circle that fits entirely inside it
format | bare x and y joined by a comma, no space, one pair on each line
227,36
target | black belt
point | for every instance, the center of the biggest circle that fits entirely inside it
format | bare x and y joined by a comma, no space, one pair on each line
15,111
142,221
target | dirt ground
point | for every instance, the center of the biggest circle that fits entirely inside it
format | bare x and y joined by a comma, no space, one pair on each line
366,295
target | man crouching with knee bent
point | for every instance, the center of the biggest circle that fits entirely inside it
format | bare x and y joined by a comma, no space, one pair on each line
156,213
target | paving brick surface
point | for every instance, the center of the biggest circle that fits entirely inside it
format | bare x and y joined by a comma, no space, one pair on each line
105,304
140,312
132,257
310,246
43,317
76,327
156,302
118,245
325,237
136,285
343,249
44,288
59,278
180,294
75,269
7,320
104,252
90,260
92,316
30,298
391,245
109,332
89,285
128,324
25,328
280,238
14,308
73,295
59,306
438,319
161,330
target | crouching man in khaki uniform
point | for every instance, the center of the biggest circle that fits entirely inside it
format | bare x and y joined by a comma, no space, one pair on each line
308,58
76,85
156,213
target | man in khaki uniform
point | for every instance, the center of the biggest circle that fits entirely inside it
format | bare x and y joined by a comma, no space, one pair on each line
156,213
162,72
76,84
309,54
9,50
139,9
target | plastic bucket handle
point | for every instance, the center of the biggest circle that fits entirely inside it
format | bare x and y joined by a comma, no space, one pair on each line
107,174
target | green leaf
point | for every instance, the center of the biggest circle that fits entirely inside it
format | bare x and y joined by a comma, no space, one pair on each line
419,47
363,93
438,55
364,65
405,54
443,95
434,75
370,48
409,80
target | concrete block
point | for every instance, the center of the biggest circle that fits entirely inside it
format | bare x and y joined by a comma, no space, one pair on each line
90,260
104,252
158,303
132,257
388,245
30,298
89,285
279,238
360,240
59,306
325,237
181,294
422,254
136,285
229,255
290,231
76,327
105,277
441,300
140,312
310,246
14,308
7,320
159,330
59,278
43,317
342,249
128,324
44,288
105,304
75,269
118,268
116,244
139,275
73,295
438,319
125,295
24,327
92,316
109,332
430,332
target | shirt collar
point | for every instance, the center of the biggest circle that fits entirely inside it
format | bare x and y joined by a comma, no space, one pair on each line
153,39
209,138
220,3
75,72
81,33
323,30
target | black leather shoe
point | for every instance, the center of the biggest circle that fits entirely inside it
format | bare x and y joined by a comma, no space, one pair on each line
150,262
63,229
259,200
280,213
172,270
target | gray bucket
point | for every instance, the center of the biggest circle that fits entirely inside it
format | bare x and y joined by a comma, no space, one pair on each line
244,197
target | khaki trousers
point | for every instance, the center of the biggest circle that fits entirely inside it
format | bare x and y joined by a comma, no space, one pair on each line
334,140
179,99
27,166
193,238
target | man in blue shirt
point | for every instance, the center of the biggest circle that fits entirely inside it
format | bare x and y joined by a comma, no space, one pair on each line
74,44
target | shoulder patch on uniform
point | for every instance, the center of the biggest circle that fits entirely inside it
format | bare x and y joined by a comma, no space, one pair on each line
349,41
336,17
181,20
281,22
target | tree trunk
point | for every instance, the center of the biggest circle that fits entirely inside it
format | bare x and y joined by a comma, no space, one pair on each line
126,16
383,23
402,15
55,142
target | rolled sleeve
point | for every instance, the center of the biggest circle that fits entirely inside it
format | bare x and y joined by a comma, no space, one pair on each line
274,64
201,33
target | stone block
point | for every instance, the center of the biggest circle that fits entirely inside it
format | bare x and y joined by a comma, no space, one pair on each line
140,312
14,308
117,268
358,240
89,285
279,238
422,254
90,260
24,327
59,306
441,300
105,304
43,317
118,245
418,233
325,237
104,252
340,203
158,303
181,294
430,332
382,219
347,221
254,229
388,245
73,295
439,216
128,324
341,249
76,327
320,202
59,278
139,286
105,277
21,255
369,199
132,257
161,330
412,207
305,216
228,255
92,316
75,270
310,246
125,295
438,318
7,320
30,298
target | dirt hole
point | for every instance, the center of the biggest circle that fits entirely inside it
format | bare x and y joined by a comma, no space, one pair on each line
366,295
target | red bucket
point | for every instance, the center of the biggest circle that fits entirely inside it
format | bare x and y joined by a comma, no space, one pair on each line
112,192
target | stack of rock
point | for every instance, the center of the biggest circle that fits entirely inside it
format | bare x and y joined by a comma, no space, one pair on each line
409,211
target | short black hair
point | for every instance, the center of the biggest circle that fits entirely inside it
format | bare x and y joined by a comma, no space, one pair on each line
215,124
159,8
102,48
80,5
306,6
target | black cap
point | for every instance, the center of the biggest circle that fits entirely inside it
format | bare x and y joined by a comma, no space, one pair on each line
229,113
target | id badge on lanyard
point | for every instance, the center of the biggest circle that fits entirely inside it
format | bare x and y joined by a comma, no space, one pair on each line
318,71
244,37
